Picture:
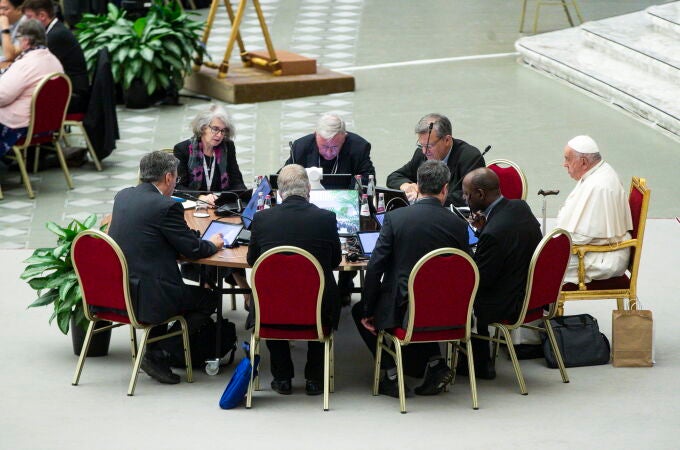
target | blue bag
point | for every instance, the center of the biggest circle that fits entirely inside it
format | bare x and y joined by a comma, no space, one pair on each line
237,388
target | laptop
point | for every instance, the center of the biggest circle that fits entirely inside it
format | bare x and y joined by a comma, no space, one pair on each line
367,241
344,203
394,198
328,181
230,232
251,208
231,200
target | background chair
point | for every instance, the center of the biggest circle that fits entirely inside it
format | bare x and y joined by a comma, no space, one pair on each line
540,3
513,183
624,286
441,290
76,120
282,277
103,276
48,109
546,272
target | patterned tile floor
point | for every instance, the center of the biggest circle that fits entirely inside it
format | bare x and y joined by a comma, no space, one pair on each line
489,100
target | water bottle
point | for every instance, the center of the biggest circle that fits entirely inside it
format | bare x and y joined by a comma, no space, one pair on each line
381,203
370,190
260,201
365,221
267,202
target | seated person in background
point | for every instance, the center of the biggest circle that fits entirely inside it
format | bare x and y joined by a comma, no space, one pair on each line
508,235
19,81
299,223
335,150
10,18
207,162
596,211
407,235
435,142
64,45
150,229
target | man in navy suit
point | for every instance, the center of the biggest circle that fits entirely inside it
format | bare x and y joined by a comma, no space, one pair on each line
508,235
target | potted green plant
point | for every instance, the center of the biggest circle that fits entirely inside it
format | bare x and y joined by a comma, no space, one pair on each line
50,272
153,52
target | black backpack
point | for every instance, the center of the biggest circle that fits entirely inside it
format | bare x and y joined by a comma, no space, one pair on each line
202,343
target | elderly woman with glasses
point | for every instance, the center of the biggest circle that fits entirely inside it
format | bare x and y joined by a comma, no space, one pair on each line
20,80
207,161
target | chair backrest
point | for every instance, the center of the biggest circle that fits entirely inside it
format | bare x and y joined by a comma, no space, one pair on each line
103,276
512,180
442,286
288,285
546,273
48,108
638,200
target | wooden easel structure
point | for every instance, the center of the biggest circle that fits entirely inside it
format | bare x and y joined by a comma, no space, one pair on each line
271,64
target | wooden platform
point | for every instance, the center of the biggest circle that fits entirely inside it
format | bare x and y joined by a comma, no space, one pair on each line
249,85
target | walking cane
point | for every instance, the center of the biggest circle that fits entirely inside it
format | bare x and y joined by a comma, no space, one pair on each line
544,209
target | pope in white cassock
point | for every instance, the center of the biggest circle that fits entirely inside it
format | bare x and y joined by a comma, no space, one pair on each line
596,211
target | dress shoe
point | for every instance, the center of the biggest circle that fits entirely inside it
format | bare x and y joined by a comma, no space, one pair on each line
484,370
159,369
436,379
282,386
345,299
391,388
313,387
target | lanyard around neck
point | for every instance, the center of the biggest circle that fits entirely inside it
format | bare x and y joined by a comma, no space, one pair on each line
209,173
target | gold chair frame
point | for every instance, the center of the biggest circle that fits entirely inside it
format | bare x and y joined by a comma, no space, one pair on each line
329,360
86,137
583,293
137,351
506,329
451,356
523,178
20,151
540,3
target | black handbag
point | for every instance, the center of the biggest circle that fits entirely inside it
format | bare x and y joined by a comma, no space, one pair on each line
579,340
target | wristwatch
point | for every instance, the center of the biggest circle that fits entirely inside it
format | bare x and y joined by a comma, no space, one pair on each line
6,31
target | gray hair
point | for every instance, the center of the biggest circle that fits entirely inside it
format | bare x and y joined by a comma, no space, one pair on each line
592,158
203,119
153,166
441,125
34,31
329,125
432,176
293,180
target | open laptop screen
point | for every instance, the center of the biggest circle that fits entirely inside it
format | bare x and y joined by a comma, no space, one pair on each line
344,203
367,241
250,210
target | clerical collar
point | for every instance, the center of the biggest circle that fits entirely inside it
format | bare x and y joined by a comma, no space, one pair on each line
51,25
592,170
487,211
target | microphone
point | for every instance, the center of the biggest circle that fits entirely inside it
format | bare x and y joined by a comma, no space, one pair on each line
481,155
292,154
193,197
429,133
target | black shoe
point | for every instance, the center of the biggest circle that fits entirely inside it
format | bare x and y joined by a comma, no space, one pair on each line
484,370
436,379
159,370
345,299
282,386
313,387
391,388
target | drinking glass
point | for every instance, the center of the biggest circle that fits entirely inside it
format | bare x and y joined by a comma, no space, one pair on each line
201,209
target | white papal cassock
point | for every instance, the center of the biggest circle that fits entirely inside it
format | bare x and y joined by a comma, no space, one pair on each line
597,213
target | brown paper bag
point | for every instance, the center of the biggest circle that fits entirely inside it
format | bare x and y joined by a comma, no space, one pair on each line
632,338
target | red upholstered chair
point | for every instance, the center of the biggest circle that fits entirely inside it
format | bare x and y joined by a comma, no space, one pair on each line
441,288
48,109
288,285
546,272
103,276
624,286
76,120
512,180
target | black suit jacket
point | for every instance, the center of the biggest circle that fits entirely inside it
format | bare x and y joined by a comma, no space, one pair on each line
297,222
181,152
150,229
64,45
354,157
101,120
506,245
406,236
463,159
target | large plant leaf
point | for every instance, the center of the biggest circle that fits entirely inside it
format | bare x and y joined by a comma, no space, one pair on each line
40,258
67,288
63,319
45,299
38,284
40,268
56,229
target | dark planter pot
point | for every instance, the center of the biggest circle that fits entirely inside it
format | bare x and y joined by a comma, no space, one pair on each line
136,96
99,346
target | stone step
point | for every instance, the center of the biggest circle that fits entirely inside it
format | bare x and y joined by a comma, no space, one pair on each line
665,17
631,38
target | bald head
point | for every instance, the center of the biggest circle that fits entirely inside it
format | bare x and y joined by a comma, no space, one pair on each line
480,188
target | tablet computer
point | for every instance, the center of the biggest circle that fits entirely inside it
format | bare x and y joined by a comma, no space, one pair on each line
230,232
379,218
367,241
